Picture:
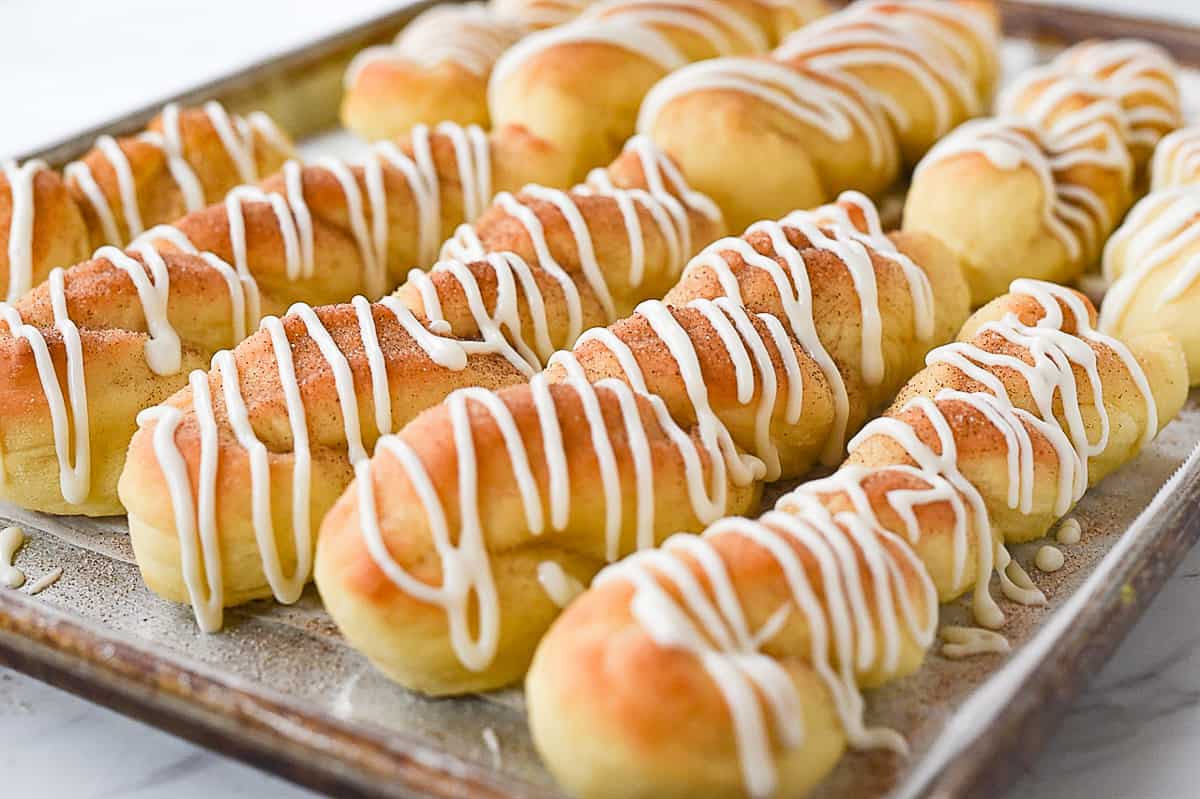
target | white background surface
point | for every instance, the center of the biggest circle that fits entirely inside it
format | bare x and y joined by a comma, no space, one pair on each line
1135,734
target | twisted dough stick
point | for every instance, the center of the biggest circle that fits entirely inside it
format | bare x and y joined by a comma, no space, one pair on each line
307,396
731,663
669,419
579,85
839,105
101,340
437,68
1058,161
1153,260
184,160
1139,76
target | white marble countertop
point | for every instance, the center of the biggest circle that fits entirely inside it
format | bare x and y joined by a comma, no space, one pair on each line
66,64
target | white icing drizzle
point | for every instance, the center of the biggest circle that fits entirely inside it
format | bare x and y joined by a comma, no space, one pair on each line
835,104
987,612
1073,134
195,513
46,580
1129,69
68,422
492,742
558,585
472,157
1049,296
709,620
21,221
854,250
69,416
540,13
711,20
163,349
1070,531
1049,559
470,35
642,41
465,245
668,200
501,329
1015,582
466,563
666,184
960,29
668,206
237,135
746,350
1162,232
965,642
1130,81
11,540
863,39
847,632
1176,159
1074,213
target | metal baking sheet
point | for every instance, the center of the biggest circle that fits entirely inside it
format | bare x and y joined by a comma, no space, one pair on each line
279,688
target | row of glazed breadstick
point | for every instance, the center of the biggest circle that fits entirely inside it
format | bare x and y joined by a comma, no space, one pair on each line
844,103
1152,262
1063,159
774,624
185,159
99,341
577,85
849,99
770,350
731,663
225,482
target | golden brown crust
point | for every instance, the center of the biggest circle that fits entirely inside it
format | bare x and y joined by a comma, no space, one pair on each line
437,68
60,220
1150,261
579,682
902,54
389,98
159,197
833,108
797,164
500,231
58,234
987,245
